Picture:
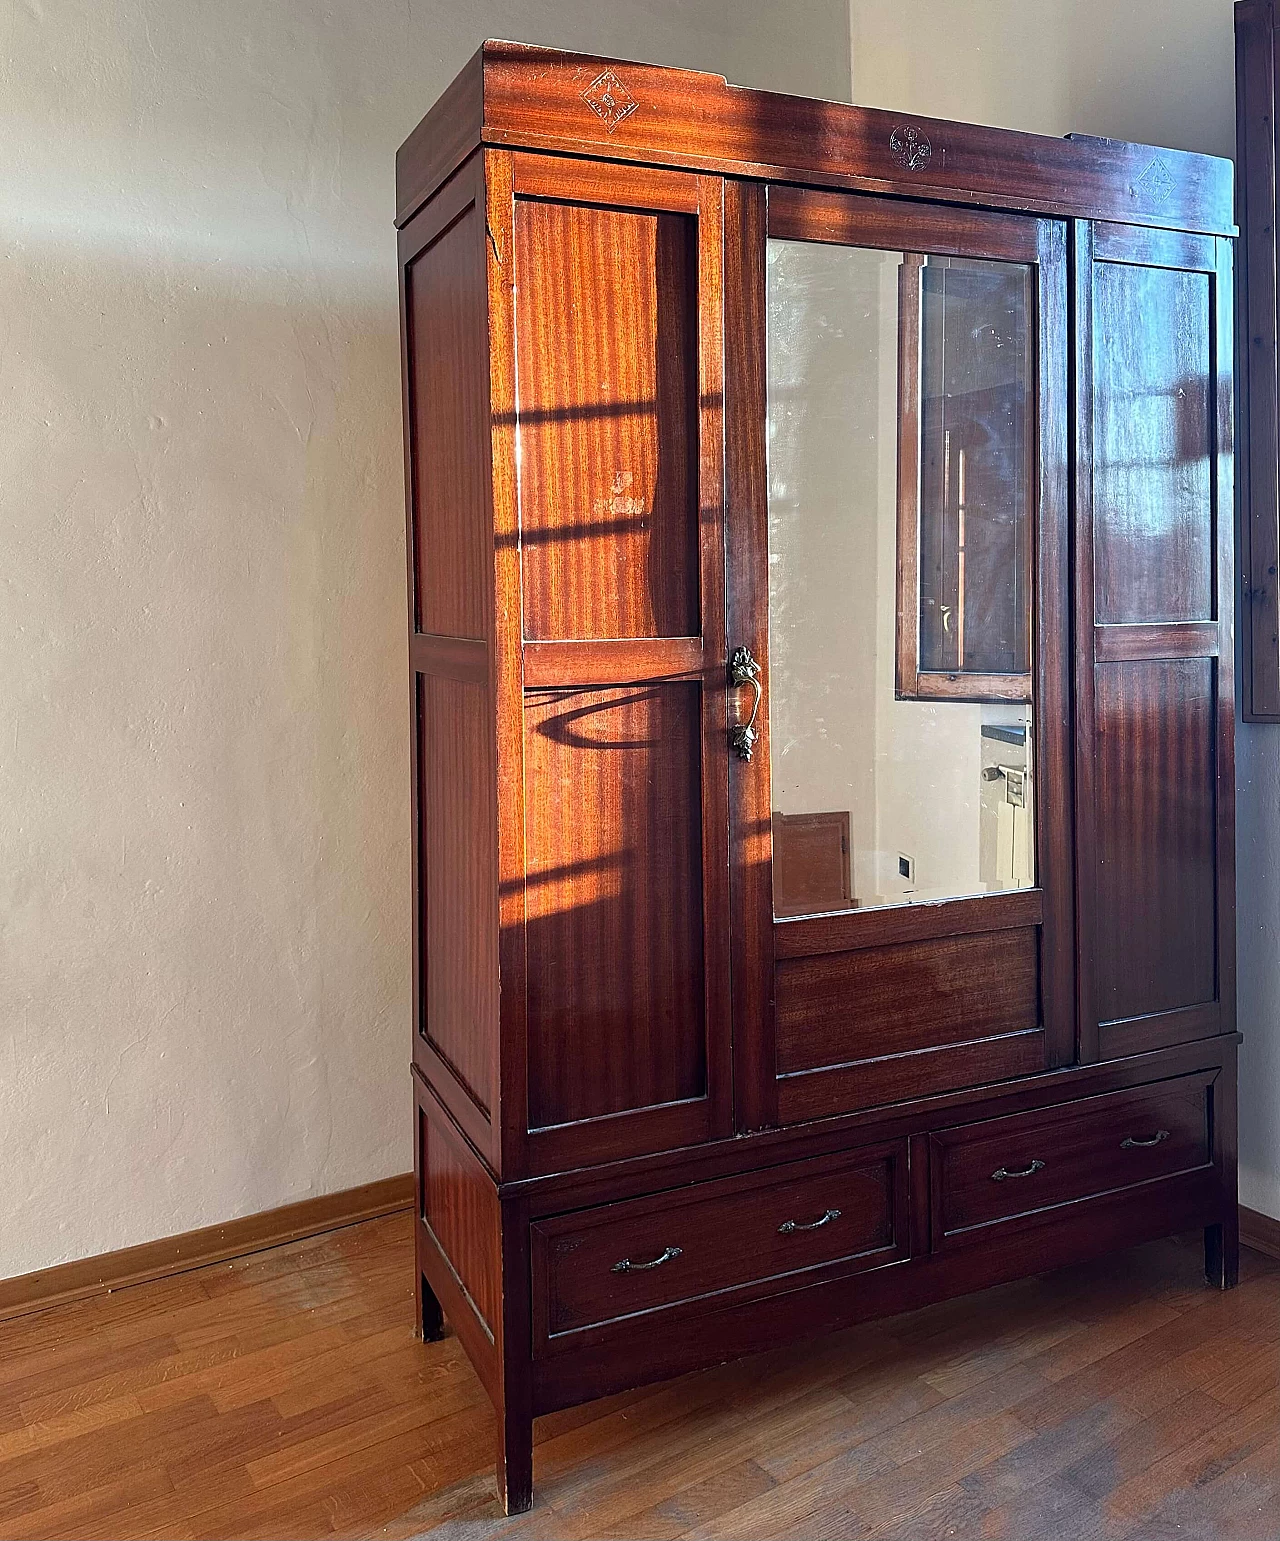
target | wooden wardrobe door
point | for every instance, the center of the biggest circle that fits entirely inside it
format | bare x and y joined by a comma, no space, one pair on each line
613,761
1154,574
881,1001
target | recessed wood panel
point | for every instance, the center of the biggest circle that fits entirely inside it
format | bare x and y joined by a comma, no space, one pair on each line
460,1206
448,350
1155,922
870,1083
848,1211
458,881
1153,445
616,1014
842,1007
1004,1168
606,347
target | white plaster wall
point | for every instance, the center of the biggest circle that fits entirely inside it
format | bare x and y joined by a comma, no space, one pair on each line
1159,71
204,877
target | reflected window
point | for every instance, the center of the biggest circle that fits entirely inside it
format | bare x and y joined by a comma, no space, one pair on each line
901,447
966,479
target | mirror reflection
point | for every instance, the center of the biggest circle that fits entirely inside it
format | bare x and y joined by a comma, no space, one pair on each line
901,496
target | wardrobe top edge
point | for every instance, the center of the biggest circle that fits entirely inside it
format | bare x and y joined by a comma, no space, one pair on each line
519,96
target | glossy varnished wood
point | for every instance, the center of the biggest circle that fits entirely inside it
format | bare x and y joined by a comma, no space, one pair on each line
540,98
1108,1400
458,915
803,214
446,322
1087,1229
747,613
846,1214
1022,1168
867,999
596,501
918,1112
806,938
622,825
1156,821
608,422
445,309
624,661
888,1078
614,901
458,1206
837,1008
1155,801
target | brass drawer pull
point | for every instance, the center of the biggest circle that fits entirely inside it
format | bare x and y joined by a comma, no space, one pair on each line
787,1226
1131,1144
1001,1172
667,1255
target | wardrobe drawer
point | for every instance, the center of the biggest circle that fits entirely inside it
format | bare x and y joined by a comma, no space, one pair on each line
1013,1167
603,1265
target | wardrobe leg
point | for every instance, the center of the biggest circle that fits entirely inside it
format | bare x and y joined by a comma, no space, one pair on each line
1222,1255
430,1316
515,1461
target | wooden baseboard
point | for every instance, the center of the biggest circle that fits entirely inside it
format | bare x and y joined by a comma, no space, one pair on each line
1260,1232
194,1249
310,1217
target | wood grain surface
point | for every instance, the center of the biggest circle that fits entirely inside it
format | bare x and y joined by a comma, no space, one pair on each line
582,292
607,403
284,1396
542,99
614,900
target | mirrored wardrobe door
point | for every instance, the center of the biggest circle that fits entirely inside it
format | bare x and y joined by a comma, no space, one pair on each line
909,549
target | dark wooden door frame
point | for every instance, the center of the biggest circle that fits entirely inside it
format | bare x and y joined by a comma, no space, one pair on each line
752,213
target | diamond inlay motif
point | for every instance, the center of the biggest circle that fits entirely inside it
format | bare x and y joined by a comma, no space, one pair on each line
609,99
1155,183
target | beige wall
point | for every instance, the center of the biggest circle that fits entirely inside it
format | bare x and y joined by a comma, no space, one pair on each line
203,809
1156,71
204,960
1160,71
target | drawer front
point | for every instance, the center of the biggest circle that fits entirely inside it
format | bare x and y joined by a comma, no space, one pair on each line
1008,1168
607,1264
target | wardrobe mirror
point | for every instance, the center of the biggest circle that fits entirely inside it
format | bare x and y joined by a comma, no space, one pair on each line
901,442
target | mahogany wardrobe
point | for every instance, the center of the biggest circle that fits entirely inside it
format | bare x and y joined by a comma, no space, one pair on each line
820,635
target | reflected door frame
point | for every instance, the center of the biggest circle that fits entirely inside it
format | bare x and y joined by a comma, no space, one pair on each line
762,1097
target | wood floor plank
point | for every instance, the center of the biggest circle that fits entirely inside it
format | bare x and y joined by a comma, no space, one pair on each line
283,1395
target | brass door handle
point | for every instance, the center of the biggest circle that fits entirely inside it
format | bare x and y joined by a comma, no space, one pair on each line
1001,1172
1131,1144
667,1255
787,1226
744,670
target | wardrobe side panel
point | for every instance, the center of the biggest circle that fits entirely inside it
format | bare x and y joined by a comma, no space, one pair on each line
459,879
448,340
451,561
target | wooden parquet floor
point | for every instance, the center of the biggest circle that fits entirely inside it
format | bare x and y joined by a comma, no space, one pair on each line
283,1395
